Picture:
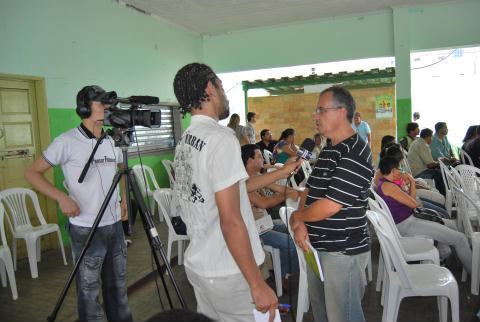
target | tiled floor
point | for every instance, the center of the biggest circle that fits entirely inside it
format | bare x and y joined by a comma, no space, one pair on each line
37,297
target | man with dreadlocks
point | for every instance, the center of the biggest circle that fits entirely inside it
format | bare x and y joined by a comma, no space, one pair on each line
211,185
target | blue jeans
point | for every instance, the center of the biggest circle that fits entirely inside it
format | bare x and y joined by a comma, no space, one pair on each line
279,238
339,297
104,263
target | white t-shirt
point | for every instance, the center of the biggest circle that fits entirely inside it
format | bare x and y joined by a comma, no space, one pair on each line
71,151
207,160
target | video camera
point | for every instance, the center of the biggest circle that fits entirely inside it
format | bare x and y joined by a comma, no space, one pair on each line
133,111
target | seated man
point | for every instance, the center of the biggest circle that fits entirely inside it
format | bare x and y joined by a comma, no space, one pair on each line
266,141
421,161
440,146
412,133
277,236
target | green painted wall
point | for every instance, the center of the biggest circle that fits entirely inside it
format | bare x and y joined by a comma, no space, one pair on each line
77,42
303,43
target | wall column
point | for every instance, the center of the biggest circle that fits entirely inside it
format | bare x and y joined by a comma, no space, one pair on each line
401,38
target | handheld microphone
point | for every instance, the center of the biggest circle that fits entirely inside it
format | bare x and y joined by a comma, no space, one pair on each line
305,151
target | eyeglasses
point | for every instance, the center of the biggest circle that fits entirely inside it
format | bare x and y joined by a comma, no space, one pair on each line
322,110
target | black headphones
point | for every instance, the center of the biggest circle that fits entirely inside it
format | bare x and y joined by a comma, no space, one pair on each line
85,97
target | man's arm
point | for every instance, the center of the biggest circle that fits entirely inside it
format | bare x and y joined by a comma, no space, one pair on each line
369,139
236,237
261,181
123,191
35,175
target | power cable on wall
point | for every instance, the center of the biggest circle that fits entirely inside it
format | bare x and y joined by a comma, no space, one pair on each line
451,53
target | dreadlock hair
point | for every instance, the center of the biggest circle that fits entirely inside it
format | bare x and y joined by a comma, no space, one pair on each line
189,85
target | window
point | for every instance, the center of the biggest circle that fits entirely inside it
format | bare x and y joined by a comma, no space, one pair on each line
163,138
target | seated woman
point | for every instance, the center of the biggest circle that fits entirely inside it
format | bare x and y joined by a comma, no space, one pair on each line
401,205
285,148
260,200
429,199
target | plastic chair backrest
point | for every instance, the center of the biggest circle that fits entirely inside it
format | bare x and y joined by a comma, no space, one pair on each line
469,179
392,250
464,204
268,156
15,202
466,159
307,169
145,173
381,208
170,169
3,237
163,197
448,177
285,214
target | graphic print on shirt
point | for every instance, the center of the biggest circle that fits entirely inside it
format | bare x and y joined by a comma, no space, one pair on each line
186,190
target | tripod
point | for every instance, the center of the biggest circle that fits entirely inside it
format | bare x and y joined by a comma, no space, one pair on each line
122,138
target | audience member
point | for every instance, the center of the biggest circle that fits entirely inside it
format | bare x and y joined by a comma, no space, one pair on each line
249,129
473,148
402,205
335,203
239,130
416,116
421,161
469,136
428,198
320,143
440,146
260,200
412,132
266,141
285,147
362,128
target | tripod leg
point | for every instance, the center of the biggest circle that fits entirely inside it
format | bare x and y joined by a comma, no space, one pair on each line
154,239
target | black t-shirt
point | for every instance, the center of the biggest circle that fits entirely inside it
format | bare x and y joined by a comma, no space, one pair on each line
270,146
343,174
473,150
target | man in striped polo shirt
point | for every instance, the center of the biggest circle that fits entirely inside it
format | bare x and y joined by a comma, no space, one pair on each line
332,212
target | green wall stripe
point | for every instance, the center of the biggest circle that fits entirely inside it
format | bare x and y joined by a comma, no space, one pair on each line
404,112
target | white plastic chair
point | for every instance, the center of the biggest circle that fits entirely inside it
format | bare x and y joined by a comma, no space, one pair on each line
163,198
407,280
464,204
470,180
268,156
170,169
449,181
303,302
14,200
277,267
466,159
6,263
145,173
413,248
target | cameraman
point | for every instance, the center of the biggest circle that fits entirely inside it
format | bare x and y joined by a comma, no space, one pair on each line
105,260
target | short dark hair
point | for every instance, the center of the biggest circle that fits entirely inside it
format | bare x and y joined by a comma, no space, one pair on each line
412,126
439,126
387,164
343,98
263,132
425,133
386,140
190,83
250,115
286,133
248,152
393,150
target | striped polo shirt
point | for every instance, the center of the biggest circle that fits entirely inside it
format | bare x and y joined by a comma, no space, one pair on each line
343,174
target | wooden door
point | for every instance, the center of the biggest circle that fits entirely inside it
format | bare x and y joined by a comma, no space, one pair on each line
19,141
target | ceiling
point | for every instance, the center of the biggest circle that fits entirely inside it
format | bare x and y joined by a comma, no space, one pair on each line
209,17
